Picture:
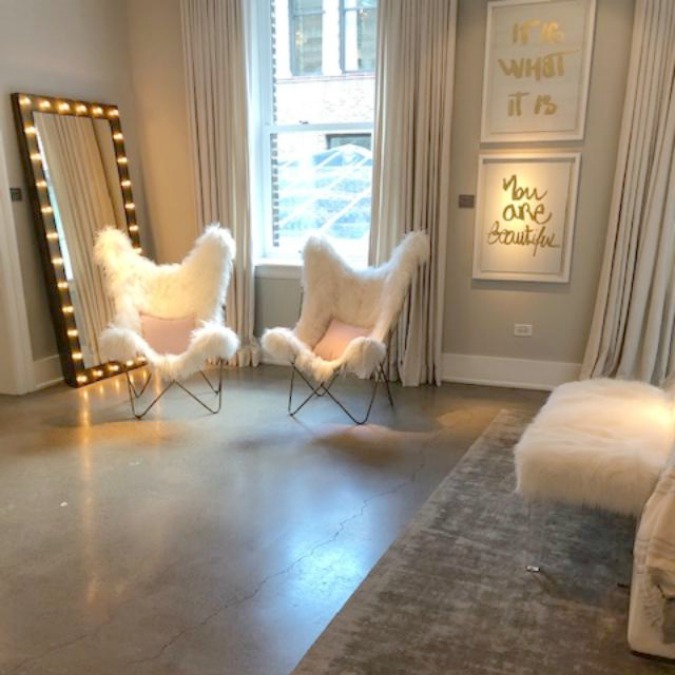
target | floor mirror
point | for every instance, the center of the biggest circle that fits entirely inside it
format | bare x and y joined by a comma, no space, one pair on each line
77,173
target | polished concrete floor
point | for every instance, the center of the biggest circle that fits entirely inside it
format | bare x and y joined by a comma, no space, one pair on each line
196,544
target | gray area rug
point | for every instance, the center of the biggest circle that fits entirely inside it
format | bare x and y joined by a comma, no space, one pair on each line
452,594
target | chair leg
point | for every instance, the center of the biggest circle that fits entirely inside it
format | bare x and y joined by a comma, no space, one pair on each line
349,414
324,389
536,531
386,383
132,388
216,390
315,391
135,394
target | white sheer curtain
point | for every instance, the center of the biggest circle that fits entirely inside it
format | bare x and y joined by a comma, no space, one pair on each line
215,67
75,157
632,332
411,173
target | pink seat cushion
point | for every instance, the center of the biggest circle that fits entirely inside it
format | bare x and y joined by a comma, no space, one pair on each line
167,336
336,338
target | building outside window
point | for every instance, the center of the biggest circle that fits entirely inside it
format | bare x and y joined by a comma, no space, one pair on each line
306,36
317,122
358,35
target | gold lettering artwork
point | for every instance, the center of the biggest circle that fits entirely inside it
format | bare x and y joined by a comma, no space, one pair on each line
528,209
545,67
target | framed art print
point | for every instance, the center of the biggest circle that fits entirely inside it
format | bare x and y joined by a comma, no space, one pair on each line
536,71
525,215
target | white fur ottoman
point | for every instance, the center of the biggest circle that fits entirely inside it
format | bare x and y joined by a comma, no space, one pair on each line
599,443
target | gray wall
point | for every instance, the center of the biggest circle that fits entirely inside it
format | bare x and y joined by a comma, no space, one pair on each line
156,54
130,53
479,316
72,48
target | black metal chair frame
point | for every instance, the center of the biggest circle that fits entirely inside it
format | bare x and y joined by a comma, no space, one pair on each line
135,394
324,389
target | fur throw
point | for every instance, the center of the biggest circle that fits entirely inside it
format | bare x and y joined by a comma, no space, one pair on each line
196,287
600,443
139,286
370,298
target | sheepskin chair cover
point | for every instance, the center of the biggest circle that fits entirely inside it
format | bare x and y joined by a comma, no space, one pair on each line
370,299
600,443
195,287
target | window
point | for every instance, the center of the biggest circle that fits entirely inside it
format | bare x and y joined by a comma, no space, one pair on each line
306,36
316,125
362,140
357,35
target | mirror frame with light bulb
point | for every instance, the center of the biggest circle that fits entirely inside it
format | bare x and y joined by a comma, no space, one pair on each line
59,294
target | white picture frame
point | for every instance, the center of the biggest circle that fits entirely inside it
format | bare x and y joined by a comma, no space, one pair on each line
525,216
537,69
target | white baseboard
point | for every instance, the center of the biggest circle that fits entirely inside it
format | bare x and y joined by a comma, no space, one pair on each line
47,372
505,372
497,371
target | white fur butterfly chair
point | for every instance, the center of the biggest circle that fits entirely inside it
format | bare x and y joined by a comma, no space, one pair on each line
171,315
345,319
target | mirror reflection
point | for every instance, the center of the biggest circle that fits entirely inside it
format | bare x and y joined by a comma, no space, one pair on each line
78,177
81,174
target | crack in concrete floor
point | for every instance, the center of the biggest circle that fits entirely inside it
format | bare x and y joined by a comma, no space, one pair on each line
238,602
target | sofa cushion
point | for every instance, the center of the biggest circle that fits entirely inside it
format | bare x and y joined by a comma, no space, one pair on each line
600,443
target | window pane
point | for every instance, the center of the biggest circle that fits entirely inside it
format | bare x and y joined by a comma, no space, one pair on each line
308,62
317,188
331,101
318,128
